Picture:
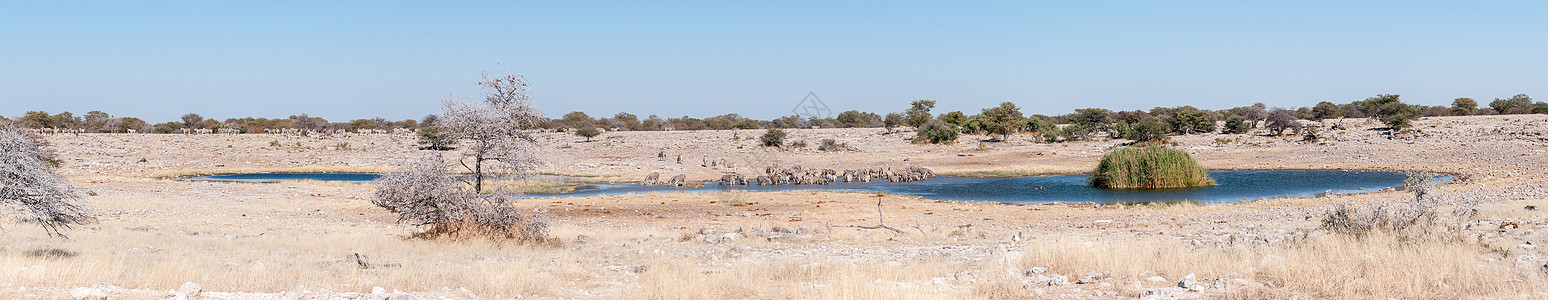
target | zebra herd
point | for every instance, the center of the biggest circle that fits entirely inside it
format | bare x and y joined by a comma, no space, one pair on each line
775,175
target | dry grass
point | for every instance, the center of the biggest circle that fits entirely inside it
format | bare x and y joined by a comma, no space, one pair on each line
290,261
179,173
1008,171
1377,266
766,279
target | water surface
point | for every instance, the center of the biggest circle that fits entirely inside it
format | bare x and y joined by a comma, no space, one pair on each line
1232,186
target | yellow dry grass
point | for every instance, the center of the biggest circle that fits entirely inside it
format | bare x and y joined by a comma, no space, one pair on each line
1377,266
1008,171
179,173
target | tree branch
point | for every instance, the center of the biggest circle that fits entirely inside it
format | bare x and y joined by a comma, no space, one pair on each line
879,223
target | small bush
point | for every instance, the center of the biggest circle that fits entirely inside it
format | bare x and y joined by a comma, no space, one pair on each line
1409,219
936,132
588,132
774,137
798,144
1146,131
1149,167
435,138
832,145
275,144
1236,125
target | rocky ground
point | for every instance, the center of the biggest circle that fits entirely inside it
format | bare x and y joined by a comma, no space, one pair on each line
295,240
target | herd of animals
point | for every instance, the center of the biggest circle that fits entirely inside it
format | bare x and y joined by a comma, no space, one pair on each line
797,175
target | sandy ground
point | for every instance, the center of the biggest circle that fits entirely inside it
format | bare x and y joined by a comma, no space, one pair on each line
291,240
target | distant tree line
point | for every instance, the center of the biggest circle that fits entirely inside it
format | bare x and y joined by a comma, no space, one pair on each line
997,122
101,122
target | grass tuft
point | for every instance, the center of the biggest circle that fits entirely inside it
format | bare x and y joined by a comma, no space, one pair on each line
1149,167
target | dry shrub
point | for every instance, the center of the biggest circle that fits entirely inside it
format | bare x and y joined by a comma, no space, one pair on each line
1416,219
423,193
29,186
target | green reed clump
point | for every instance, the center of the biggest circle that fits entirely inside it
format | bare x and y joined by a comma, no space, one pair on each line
1149,167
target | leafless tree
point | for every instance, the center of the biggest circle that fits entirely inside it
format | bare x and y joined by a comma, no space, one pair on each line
29,185
111,125
1256,113
1280,119
495,130
307,123
423,193
193,120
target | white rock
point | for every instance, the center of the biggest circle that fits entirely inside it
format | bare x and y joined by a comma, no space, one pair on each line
86,293
190,289
1190,282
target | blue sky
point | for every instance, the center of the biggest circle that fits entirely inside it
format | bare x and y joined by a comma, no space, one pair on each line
358,59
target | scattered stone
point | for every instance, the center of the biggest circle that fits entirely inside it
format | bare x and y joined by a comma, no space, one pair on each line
86,293
1164,293
190,289
965,275
1190,282
1092,277
1054,280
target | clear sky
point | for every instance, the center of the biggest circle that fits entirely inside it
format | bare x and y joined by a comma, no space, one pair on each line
344,60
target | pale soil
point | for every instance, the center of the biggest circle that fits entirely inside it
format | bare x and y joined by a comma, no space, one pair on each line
291,239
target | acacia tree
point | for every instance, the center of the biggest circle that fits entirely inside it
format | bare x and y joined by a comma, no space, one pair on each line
193,121
919,112
1464,107
28,184
894,120
1002,120
495,130
1324,110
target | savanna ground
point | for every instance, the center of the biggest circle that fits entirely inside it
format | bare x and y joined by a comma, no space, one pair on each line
295,239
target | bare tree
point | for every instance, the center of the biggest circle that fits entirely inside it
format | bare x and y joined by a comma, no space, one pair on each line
193,120
1256,113
1280,119
423,193
28,184
306,123
496,130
